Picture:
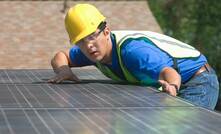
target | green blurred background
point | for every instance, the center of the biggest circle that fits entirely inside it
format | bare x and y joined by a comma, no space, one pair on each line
196,22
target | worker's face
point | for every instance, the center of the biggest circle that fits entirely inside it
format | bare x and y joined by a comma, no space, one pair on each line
95,46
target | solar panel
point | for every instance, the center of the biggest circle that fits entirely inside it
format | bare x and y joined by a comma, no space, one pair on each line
96,105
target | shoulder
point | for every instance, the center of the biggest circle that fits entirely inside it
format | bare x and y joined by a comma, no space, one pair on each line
74,49
142,54
137,48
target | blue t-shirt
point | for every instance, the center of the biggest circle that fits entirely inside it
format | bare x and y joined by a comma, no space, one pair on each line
142,59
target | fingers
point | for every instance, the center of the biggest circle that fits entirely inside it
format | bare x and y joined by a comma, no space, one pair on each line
168,88
63,73
55,79
163,83
59,79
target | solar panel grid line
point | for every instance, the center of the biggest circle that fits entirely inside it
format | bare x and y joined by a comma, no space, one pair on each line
118,92
49,94
105,96
124,97
154,130
1,77
67,101
97,96
150,99
79,121
43,121
113,117
99,99
61,128
103,121
84,108
121,96
217,113
21,102
83,90
19,122
7,122
150,122
40,88
4,129
14,96
49,121
73,125
203,129
65,120
207,125
30,121
19,92
178,118
42,74
25,98
32,96
99,112
156,118
13,76
68,96
35,75
164,119
26,89
90,127
46,98
60,97
8,76
81,96
140,121
46,91
139,101
94,123
129,94
29,75
137,125
37,122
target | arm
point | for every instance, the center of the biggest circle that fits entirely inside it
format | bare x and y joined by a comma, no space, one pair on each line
61,58
149,60
170,80
61,64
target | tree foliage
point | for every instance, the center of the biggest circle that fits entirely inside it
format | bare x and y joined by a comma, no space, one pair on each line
196,22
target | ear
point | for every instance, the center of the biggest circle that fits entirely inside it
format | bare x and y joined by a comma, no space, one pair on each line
107,31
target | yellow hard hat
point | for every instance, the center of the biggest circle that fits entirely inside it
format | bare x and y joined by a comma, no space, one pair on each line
82,20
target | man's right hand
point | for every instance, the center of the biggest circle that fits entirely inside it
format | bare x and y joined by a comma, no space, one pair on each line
63,73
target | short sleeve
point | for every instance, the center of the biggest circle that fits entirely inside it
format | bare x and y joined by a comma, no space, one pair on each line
78,58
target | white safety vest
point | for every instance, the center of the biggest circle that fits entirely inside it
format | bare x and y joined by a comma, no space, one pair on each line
173,47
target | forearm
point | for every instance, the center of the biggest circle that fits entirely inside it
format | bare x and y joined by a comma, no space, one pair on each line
61,64
171,76
59,60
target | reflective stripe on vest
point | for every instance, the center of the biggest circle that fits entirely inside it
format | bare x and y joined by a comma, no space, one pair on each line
107,72
175,48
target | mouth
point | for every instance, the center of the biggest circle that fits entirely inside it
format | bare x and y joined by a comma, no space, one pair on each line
94,53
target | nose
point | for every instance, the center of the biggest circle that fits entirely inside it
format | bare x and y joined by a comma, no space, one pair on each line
90,45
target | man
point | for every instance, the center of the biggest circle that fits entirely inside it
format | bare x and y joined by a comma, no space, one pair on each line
137,57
